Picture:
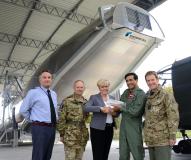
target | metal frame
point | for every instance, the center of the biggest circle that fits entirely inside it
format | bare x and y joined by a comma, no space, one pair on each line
18,65
21,31
27,42
31,42
54,32
12,86
52,10
10,95
22,28
164,72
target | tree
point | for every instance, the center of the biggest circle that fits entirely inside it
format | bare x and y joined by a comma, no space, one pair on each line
169,89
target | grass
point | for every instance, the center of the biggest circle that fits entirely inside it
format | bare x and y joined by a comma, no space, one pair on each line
179,135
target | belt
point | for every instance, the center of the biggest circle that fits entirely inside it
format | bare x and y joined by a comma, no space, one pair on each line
36,123
109,124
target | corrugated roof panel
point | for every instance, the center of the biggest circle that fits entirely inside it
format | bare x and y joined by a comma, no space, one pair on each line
11,18
1,77
27,78
5,48
1,85
90,7
43,56
9,70
17,72
41,26
66,4
29,75
68,29
23,54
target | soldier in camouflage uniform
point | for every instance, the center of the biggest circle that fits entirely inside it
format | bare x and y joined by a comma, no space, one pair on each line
71,126
161,119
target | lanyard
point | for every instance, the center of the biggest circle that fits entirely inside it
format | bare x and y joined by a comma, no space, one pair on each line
44,91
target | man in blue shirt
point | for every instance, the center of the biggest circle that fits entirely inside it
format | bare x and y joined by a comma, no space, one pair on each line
40,108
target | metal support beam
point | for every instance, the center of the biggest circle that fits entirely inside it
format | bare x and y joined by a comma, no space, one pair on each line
164,70
22,29
28,42
47,41
2,135
18,65
18,86
18,83
53,33
12,89
52,10
4,97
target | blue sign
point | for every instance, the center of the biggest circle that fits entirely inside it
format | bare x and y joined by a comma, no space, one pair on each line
128,34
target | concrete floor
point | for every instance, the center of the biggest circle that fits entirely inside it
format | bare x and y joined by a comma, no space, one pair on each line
24,153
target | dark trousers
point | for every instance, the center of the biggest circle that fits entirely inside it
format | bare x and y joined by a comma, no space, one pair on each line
101,142
43,141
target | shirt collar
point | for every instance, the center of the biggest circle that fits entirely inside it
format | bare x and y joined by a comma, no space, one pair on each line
44,89
153,93
133,91
82,99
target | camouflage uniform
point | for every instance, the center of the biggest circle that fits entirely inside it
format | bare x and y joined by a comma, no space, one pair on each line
72,127
130,139
161,121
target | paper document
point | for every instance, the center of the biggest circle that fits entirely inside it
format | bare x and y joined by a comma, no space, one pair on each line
113,102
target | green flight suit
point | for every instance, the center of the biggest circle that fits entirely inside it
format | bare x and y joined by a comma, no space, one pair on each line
130,139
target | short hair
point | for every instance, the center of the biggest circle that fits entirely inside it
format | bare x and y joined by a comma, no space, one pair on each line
103,82
77,82
44,70
135,76
151,73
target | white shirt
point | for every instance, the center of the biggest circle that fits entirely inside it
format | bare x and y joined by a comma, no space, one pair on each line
109,116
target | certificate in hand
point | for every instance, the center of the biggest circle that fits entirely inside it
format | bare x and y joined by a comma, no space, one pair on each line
113,102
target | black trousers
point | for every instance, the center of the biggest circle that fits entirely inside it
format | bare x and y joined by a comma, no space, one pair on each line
101,142
43,141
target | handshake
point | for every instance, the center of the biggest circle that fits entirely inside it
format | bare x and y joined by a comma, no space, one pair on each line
110,110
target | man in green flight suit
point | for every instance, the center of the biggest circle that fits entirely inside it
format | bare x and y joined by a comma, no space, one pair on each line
130,138
71,126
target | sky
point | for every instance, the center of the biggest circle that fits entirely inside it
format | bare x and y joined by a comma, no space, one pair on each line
173,17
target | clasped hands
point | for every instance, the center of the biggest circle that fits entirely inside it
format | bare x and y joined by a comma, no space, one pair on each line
111,110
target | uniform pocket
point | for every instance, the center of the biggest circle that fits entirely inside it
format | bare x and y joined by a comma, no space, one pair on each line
75,113
85,136
72,133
